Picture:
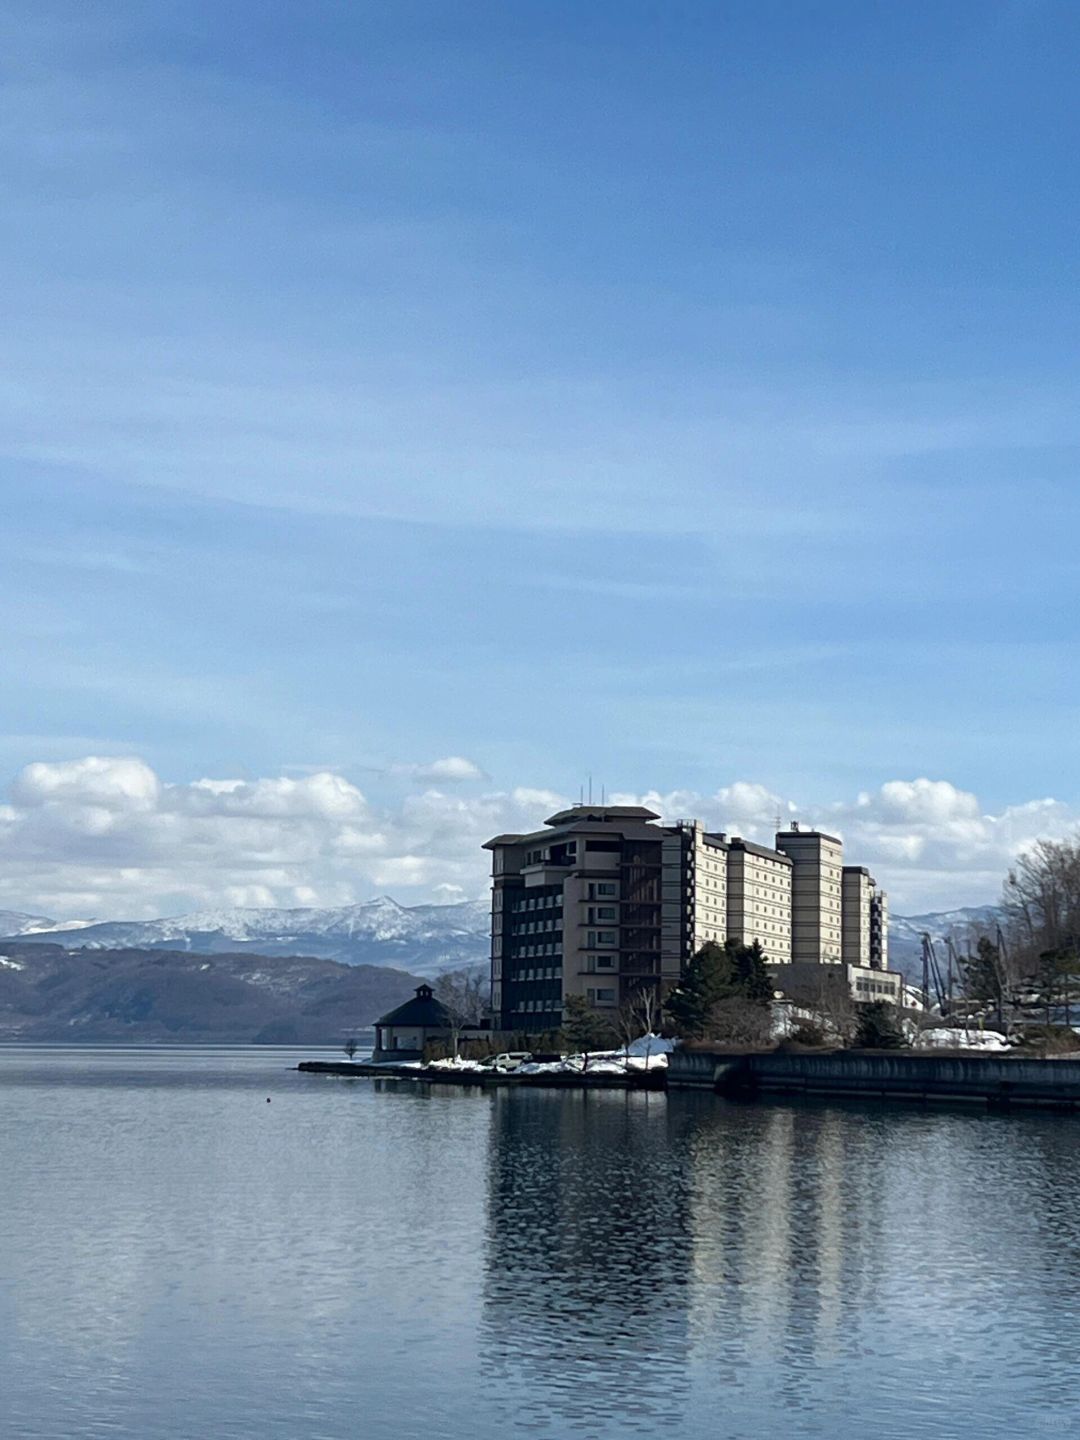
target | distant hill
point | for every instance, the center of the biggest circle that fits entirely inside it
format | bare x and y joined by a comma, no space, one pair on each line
149,995
422,939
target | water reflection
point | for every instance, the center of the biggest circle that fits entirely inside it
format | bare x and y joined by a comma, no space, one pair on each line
179,1258
587,1262
672,1261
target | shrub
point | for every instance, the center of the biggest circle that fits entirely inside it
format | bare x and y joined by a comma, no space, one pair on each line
878,1027
737,1021
808,1032
1049,1039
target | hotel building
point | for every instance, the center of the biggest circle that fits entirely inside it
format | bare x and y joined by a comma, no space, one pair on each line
857,888
605,900
759,904
817,862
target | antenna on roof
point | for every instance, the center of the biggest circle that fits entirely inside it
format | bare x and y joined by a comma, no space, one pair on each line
603,795
590,789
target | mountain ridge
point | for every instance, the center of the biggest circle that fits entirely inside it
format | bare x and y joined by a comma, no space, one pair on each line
156,996
422,940
906,932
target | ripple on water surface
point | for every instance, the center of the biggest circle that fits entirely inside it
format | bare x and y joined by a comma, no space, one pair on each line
358,1258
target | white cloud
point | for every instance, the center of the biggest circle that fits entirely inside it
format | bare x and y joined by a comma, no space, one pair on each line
113,782
934,801
319,796
106,837
452,768
448,894
927,841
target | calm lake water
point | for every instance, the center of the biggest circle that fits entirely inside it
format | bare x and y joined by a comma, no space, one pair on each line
357,1259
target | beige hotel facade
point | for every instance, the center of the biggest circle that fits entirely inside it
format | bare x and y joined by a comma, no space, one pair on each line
605,899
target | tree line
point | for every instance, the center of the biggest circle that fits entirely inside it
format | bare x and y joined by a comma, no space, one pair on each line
725,994
1032,953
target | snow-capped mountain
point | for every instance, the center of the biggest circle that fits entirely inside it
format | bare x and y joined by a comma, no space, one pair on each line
422,939
14,922
906,932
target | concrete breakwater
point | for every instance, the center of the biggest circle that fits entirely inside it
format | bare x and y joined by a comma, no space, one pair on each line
897,1075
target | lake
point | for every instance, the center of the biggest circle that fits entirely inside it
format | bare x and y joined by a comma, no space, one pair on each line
360,1259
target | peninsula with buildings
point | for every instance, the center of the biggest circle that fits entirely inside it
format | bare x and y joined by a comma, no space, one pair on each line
605,919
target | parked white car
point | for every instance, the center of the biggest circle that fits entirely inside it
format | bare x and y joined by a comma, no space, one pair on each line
508,1060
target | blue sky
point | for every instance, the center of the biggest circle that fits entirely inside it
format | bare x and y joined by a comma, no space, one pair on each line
682,393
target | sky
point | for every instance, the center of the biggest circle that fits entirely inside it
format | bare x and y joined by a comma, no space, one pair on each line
409,411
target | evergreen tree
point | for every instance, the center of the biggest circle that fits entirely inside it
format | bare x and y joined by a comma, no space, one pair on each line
878,1027
981,973
751,974
1056,976
584,1028
709,979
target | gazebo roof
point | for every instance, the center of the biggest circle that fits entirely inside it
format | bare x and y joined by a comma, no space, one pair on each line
422,1009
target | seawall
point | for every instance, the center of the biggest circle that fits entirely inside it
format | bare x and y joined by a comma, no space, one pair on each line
980,1079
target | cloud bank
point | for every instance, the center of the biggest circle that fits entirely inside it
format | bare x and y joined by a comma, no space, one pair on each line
107,837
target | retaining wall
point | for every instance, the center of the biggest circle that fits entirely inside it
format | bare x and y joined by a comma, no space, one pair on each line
983,1079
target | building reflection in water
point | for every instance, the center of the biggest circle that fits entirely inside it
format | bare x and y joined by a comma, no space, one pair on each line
786,1222
642,1249
588,1262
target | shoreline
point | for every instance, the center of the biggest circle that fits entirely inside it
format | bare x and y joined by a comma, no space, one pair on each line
991,1081
653,1079
994,1081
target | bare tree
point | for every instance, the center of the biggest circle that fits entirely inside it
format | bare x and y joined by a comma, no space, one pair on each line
350,1047
829,1002
738,1021
584,1028
464,994
1041,900
637,1018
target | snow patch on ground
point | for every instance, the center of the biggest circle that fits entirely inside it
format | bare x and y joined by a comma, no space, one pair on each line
649,1047
9,964
948,1037
650,1052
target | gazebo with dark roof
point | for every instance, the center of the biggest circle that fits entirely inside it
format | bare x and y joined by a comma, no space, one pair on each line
402,1033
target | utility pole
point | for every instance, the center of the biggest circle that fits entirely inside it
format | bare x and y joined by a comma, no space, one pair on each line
926,973
955,972
932,971
1001,967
